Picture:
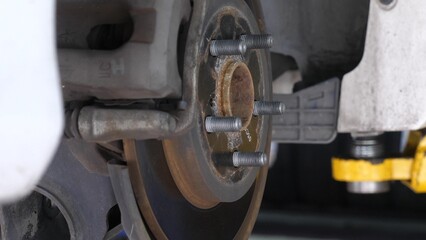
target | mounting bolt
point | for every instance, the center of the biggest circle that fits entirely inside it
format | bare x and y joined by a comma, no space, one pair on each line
257,41
223,124
227,47
268,108
249,159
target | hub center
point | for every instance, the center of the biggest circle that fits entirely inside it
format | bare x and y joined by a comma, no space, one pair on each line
235,92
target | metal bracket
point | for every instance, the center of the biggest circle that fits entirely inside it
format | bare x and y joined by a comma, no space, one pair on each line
311,114
131,218
145,67
103,125
411,171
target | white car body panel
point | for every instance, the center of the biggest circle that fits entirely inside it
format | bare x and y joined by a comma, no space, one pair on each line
31,117
387,90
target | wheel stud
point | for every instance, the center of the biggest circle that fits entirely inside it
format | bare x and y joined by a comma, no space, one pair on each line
250,159
223,124
242,159
258,41
268,108
227,47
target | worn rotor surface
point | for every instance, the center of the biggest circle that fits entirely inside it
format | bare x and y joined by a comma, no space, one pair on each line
227,86
181,191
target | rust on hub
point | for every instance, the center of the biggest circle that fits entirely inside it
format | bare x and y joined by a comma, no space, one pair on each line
235,92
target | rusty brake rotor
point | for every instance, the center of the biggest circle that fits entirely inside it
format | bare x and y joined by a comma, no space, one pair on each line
185,187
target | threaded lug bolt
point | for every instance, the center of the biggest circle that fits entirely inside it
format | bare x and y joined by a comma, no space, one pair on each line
227,47
258,41
249,159
223,124
268,108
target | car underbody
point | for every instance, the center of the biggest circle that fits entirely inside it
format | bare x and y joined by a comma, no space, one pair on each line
173,119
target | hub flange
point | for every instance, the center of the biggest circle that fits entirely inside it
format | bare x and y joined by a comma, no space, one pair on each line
227,86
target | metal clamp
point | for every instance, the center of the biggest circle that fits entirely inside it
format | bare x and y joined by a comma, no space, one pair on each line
411,171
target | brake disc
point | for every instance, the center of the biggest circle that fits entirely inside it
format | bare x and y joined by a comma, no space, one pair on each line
182,192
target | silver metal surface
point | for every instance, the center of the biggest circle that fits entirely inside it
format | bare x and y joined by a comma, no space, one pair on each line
366,151
367,147
386,91
223,124
268,108
103,125
258,41
367,187
249,159
227,47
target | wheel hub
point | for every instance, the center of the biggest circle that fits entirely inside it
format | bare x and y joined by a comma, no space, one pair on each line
227,86
192,184
235,92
